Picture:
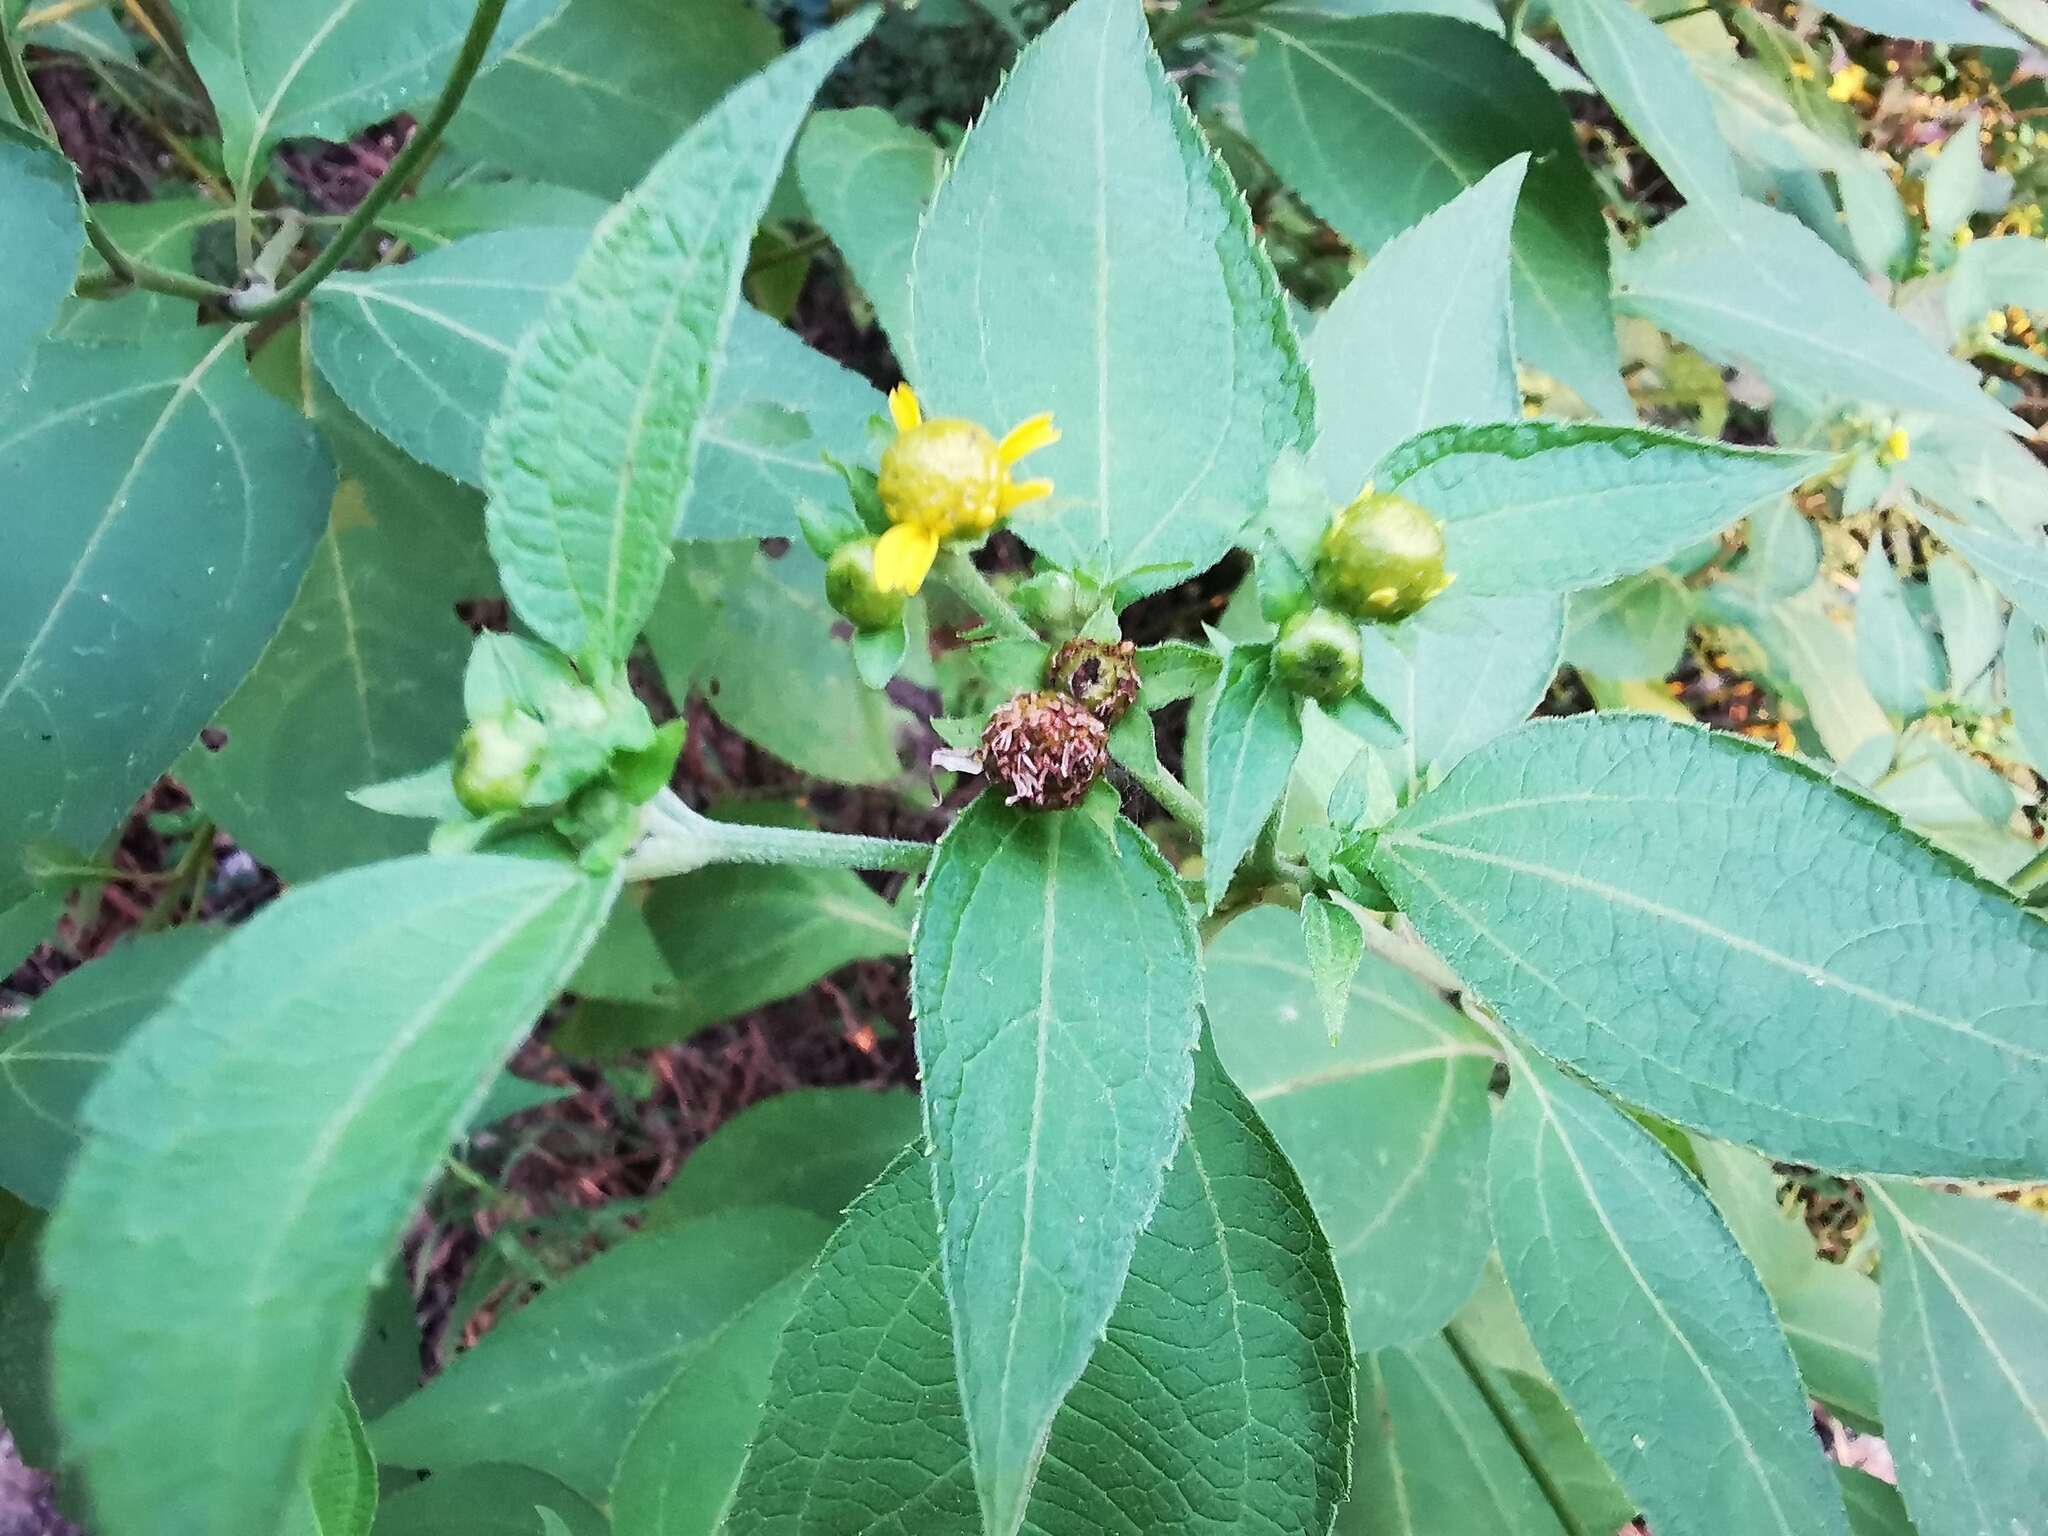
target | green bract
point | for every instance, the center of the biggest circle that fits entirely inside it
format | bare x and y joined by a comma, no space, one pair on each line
722,817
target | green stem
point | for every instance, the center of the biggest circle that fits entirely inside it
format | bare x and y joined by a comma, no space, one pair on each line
1511,14
124,271
676,840
1157,780
960,573
252,304
2029,882
1511,1427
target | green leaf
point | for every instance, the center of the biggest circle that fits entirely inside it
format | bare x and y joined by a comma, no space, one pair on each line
1827,1311
1932,21
1964,1365
682,1466
867,180
1433,1459
175,508
1546,870
1380,120
420,351
813,1148
1054,982
362,682
1422,337
1784,550
1646,78
280,1158
1456,675
49,1060
438,215
1085,246
1542,506
486,1500
1225,1360
1972,621
1990,274
339,1495
39,244
1875,1508
1952,190
593,98
1387,1126
1747,283
725,607
592,449
1253,737
738,936
1336,945
2026,688
747,485
561,1384
1894,651
1633,628
1605,1238
274,72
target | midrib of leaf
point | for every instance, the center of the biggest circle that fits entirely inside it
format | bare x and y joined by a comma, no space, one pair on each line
1372,1068
1102,434
1421,135
365,293
1474,1453
1242,1375
290,1203
1817,974
344,603
1762,1479
267,114
1041,1025
117,503
882,1337
1418,1167
657,353
1923,1240
1909,1276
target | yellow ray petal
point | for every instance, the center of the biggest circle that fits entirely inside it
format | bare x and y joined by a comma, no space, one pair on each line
903,557
1028,436
904,409
1017,493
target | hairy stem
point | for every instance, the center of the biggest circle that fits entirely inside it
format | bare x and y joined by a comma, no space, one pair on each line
256,303
676,840
960,573
1157,780
1511,1427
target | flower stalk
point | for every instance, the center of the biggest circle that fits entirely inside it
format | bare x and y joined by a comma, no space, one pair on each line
675,840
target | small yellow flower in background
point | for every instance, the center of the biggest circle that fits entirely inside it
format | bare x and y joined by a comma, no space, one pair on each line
1801,70
1963,235
1897,448
1994,323
1849,83
947,479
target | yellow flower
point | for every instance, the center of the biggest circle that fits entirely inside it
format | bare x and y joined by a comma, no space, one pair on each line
1801,70
1898,447
1849,84
947,479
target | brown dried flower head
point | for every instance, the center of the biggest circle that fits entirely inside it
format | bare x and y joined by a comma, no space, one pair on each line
1046,749
1099,676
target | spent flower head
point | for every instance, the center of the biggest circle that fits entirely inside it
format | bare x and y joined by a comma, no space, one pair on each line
947,478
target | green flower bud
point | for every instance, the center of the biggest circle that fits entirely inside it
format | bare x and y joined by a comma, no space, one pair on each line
497,761
1319,655
851,589
1099,676
1381,559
